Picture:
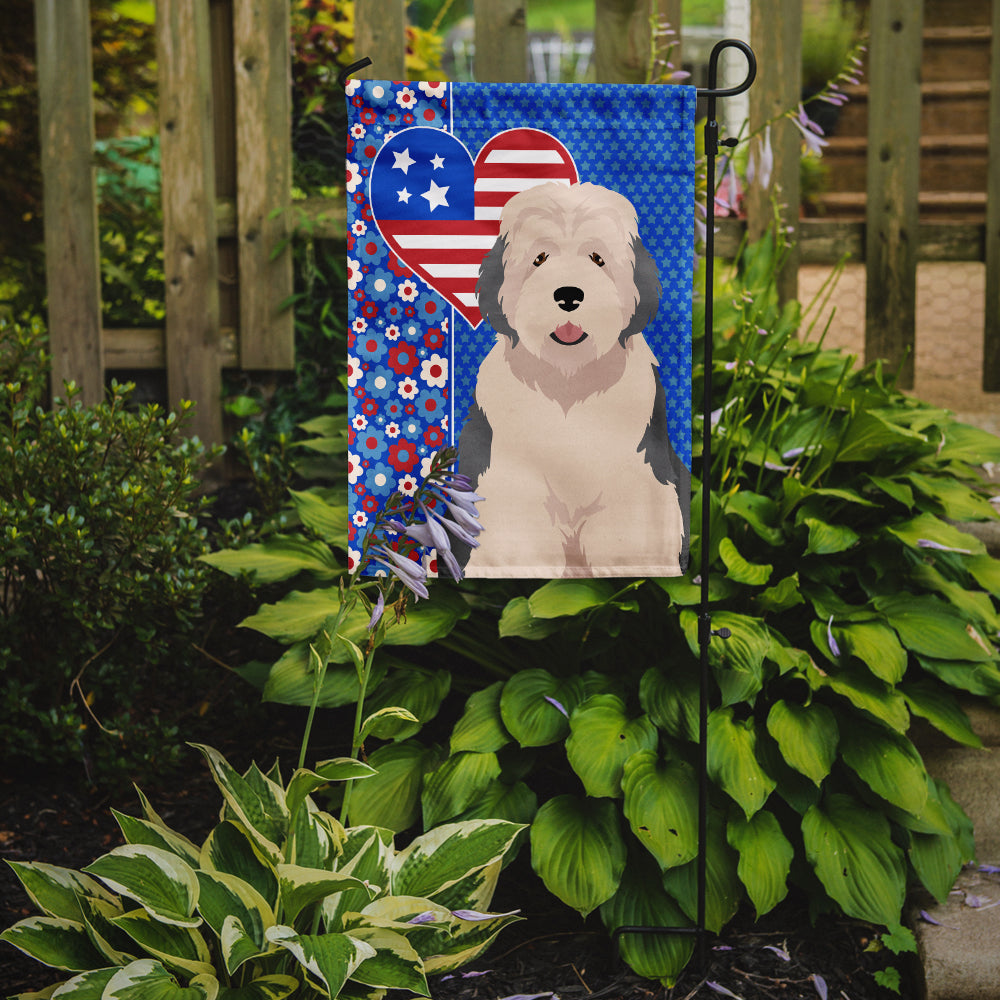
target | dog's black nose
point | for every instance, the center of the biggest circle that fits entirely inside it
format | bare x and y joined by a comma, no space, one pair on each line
568,297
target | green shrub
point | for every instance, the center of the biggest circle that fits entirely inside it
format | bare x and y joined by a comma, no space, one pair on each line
99,546
279,900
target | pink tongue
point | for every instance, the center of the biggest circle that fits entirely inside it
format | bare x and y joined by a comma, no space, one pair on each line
568,333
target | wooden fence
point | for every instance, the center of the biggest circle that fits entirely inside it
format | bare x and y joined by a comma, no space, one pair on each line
226,161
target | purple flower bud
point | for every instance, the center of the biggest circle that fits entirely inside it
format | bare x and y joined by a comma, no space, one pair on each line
410,573
377,612
820,983
427,917
834,648
558,705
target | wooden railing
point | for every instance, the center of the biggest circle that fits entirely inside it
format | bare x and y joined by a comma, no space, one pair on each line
226,160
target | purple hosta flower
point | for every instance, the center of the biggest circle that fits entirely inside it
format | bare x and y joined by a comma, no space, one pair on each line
990,869
780,952
927,543
831,642
760,165
719,988
475,915
820,983
410,573
557,704
811,132
727,197
377,612
427,917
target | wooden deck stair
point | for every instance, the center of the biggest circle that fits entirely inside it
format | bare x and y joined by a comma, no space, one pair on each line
955,92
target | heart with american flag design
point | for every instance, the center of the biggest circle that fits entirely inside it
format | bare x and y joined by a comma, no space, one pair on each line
439,211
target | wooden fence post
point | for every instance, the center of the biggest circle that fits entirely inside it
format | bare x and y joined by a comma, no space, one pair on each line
501,41
776,35
893,183
380,34
262,60
190,251
622,40
72,255
991,333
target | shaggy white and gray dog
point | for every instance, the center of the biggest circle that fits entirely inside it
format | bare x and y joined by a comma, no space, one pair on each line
567,439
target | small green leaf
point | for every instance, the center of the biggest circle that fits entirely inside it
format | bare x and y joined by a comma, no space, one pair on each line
828,539
328,521
456,784
535,706
941,709
732,760
765,858
481,727
739,569
932,628
559,598
279,558
671,700
391,798
888,763
807,736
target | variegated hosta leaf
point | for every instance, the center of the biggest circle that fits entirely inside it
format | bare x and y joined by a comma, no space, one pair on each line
732,760
256,801
315,838
807,736
456,784
367,853
230,849
147,979
642,902
56,891
300,887
54,941
87,986
395,964
141,831
225,897
304,782
476,890
275,987
116,946
467,940
160,882
481,727
661,799
602,737
535,706
578,851
329,959
723,889
177,947
765,858
850,847
441,857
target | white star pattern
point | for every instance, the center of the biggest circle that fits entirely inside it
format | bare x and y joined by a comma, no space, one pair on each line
403,161
404,196
437,162
436,196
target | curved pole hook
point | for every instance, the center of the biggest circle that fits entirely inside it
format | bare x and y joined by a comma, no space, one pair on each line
713,69
348,71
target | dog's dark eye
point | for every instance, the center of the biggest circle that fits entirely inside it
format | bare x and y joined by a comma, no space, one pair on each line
540,259
597,259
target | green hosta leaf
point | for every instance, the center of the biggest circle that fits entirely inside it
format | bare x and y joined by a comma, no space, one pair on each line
956,500
738,569
683,592
330,959
147,979
941,709
641,901
279,558
275,987
386,723
141,831
765,858
261,809
163,884
391,798
671,699
578,851
870,436
292,681
937,860
807,736
758,511
931,628
865,692
876,646
738,661
517,620
418,690
828,539
54,941
395,964
515,803
723,889
56,891
528,710
180,948
976,678
456,784
558,598
732,760
661,799
975,605
327,520
986,572
301,887
850,847
230,849
225,897
783,595
438,859
481,728
297,616
893,488
928,528
965,443
888,763
602,738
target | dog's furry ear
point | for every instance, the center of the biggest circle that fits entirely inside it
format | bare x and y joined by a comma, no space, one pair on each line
488,290
648,290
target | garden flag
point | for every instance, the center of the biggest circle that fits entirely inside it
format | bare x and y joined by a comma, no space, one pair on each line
520,262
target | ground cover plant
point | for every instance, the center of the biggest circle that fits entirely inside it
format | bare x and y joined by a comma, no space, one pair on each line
854,604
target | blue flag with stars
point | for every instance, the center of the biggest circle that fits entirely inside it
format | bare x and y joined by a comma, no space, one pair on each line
520,263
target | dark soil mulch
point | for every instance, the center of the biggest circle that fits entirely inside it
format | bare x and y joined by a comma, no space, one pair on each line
551,951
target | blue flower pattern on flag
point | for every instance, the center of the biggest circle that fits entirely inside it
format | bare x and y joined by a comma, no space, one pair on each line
413,356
